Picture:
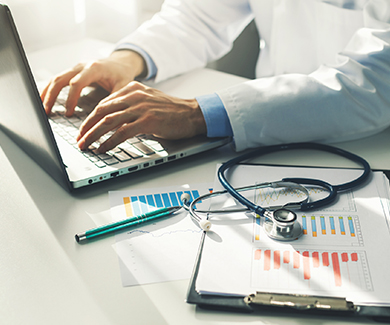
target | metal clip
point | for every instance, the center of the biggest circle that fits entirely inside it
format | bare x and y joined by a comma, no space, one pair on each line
301,302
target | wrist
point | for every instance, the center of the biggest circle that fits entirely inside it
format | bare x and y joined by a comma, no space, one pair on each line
198,120
131,59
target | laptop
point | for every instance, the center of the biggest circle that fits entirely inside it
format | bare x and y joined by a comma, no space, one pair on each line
50,140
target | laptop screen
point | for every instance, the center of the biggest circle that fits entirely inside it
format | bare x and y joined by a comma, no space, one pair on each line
23,118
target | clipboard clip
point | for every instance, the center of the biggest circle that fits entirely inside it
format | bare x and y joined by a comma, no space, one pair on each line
300,302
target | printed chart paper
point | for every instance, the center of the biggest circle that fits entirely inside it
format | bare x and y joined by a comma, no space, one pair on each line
162,251
343,251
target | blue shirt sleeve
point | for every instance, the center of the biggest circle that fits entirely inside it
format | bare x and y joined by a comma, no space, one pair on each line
150,65
217,120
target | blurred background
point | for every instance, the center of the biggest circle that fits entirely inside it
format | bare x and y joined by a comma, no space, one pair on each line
47,23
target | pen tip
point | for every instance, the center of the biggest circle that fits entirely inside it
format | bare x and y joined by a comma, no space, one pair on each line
77,238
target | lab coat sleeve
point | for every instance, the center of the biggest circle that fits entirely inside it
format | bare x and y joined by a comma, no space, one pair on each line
188,34
342,102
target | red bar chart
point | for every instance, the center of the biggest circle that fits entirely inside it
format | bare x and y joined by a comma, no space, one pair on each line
320,270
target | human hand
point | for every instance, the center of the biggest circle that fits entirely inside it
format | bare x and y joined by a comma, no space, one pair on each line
139,109
111,73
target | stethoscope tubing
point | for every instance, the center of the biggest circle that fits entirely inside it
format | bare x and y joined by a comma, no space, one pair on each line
283,183
333,189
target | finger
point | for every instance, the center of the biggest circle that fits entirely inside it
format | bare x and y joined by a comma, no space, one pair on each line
126,90
99,113
47,106
73,95
116,102
105,125
83,79
51,91
121,134
43,92
50,95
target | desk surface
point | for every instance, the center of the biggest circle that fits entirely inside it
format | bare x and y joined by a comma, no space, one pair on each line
47,278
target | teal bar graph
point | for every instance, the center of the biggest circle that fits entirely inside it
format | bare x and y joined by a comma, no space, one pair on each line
136,205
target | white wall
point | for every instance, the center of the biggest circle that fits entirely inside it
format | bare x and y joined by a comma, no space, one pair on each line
45,23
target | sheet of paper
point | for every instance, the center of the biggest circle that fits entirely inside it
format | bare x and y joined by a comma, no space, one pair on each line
343,251
162,251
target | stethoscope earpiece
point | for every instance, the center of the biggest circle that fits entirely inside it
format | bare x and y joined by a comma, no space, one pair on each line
205,225
185,198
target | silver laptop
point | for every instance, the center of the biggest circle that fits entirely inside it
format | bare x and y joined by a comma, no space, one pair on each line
50,141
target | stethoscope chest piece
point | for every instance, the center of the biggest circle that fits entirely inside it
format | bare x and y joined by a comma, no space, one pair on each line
282,225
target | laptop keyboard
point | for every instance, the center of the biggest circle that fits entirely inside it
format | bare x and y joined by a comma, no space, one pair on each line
68,128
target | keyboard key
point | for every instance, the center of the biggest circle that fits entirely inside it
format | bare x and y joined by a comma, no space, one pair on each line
100,164
155,145
94,159
122,156
133,152
102,156
114,151
133,140
111,161
143,148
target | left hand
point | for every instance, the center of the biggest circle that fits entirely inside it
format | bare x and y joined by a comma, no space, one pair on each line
139,109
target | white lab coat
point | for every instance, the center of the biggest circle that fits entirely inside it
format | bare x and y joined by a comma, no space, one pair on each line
323,71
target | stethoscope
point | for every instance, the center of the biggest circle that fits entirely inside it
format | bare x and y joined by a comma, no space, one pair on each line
281,221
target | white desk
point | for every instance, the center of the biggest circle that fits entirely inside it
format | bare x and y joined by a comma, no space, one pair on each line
47,278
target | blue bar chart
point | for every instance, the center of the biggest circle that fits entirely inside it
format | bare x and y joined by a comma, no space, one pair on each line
140,204
346,228
154,246
322,229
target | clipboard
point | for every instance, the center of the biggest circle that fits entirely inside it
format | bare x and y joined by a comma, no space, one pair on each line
262,302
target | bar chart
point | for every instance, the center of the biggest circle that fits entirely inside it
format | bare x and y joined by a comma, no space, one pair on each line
140,204
159,251
322,229
321,270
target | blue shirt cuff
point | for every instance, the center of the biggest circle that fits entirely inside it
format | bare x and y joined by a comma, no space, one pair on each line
150,65
217,120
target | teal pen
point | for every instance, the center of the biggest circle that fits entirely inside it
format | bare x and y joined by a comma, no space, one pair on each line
125,223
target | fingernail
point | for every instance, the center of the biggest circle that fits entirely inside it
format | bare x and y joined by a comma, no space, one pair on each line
81,145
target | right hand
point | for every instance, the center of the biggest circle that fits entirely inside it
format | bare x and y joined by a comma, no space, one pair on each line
139,109
111,73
